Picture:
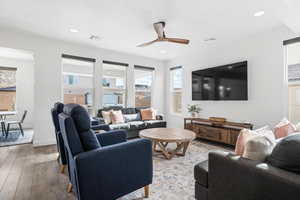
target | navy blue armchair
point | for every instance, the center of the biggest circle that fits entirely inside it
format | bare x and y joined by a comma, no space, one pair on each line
103,166
55,111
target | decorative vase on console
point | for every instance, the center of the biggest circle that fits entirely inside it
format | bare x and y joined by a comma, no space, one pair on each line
194,110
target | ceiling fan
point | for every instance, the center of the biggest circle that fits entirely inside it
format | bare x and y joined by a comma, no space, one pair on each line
159,29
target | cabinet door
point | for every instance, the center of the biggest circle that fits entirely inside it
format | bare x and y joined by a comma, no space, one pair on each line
233,136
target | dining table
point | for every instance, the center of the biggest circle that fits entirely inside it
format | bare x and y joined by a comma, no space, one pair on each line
3,116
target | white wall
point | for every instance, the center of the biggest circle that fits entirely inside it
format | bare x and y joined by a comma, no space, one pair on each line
48,79
266,78
25,88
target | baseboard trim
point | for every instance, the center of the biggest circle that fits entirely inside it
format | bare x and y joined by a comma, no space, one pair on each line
43,143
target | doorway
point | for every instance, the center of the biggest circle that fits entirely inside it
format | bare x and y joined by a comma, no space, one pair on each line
293,71
16,96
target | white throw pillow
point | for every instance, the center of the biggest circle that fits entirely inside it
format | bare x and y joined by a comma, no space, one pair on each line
107,116
259,147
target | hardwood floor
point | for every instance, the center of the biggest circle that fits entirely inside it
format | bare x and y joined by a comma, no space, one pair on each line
28,173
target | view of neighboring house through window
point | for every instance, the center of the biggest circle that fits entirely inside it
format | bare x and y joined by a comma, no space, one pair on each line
7,89
143,82
78,78
176,89
114,81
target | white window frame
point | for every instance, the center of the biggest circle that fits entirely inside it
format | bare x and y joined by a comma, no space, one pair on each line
125,91
175,90
149,69
92,107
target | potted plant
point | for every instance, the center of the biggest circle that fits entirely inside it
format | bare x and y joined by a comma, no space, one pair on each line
194,110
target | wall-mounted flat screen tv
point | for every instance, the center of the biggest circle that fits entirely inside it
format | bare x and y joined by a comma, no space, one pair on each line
227,82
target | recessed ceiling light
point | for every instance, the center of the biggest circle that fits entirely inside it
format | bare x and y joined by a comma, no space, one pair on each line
259,13
73,30
209,39
163,51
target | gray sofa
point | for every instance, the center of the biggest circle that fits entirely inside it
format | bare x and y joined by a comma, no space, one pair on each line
225,176
133,126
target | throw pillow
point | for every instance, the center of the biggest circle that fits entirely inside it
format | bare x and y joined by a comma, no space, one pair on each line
148,114
132,117
286,153
258,147
246,134
284,128
106,116
117,117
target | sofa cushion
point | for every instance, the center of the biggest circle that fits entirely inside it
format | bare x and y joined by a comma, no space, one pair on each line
286,153
148,114
117,117
284,128
155,123
119,126
258,148
128,110
107,109
132,117
137,125
201,173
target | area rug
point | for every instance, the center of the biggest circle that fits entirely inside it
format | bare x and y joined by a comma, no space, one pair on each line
15,137
174,179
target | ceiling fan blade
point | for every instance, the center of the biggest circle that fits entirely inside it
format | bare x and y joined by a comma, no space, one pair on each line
159,29
148,43
177,40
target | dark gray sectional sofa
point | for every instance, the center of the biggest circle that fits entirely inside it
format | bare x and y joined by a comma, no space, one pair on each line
225,176
133,126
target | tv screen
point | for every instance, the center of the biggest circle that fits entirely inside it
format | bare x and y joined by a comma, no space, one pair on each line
227,82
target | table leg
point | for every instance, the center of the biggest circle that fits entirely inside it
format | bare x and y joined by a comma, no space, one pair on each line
164,150
186,145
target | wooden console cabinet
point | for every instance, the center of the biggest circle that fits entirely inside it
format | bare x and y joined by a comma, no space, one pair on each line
224,132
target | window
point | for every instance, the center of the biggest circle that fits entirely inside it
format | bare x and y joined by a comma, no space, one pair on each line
78,78
114,84
143,83
7,89
176,89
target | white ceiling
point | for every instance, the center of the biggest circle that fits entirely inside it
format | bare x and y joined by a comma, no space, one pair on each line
124,24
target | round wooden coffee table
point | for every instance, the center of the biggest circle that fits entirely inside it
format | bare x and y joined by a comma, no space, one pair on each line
163,136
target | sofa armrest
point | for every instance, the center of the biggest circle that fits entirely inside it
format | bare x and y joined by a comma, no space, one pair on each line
97,121
98,127
113,171
233,177
159,117
112,137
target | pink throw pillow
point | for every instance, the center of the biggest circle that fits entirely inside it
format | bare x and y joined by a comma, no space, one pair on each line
284,128
148,114
241,141
117,117
247,134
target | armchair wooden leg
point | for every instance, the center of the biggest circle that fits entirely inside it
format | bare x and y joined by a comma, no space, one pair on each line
62,169
69,189
146,188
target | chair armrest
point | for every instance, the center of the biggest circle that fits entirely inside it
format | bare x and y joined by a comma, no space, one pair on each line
112,137
104,127
113,171
159,117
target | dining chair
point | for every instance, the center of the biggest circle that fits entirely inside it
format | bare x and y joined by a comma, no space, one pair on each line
17,122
